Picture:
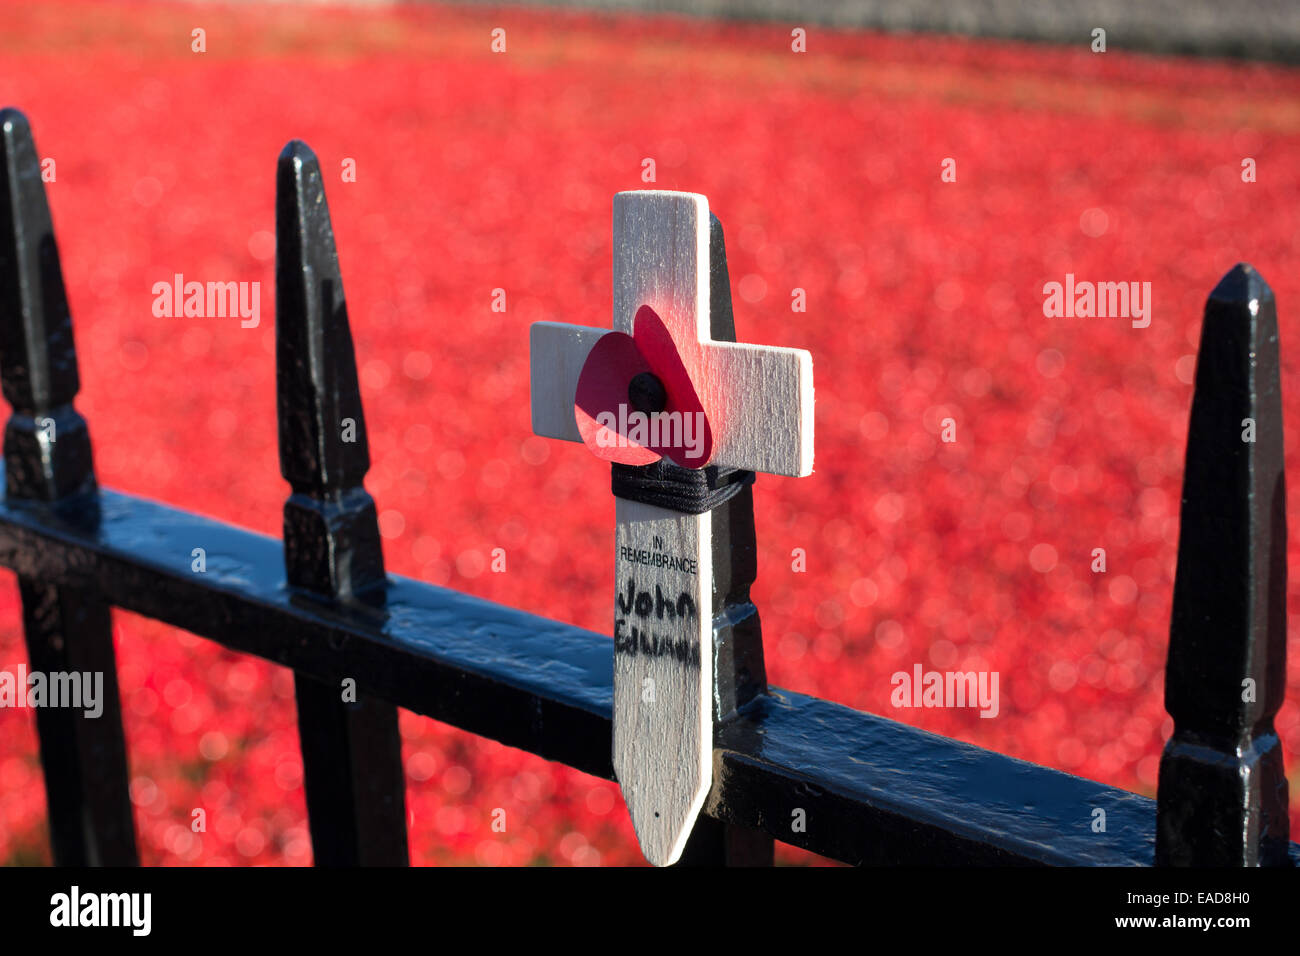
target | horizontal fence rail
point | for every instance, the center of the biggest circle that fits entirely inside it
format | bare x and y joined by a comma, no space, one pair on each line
874,790
864,789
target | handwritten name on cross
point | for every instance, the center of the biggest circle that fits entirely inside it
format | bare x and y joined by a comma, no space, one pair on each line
657,386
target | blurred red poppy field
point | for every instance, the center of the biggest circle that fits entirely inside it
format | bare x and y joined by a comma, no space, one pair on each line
478,171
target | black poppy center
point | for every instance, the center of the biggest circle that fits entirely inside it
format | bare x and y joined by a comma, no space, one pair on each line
646,393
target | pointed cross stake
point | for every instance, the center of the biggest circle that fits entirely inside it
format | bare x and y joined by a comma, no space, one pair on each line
741,408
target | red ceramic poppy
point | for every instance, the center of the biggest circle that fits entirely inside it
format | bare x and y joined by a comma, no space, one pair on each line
636,402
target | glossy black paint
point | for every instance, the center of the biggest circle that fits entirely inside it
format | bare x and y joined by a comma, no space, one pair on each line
351,750
48,467
1223,789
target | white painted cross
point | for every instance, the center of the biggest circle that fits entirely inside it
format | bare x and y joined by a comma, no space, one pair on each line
736,406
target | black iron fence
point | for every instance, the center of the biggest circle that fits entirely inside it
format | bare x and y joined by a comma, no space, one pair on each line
866,790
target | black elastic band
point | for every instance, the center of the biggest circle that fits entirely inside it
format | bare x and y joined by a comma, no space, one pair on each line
690,491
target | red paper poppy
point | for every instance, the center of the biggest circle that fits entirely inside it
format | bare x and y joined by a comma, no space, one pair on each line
636,402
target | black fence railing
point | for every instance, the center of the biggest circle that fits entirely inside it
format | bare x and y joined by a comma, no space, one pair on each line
871,791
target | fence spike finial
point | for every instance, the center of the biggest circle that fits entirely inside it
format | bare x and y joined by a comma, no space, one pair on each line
1222,797
351,750
331,531
46,444
47,456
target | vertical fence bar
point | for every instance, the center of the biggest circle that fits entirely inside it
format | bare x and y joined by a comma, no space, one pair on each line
352,760
48,462
739,672
1222,798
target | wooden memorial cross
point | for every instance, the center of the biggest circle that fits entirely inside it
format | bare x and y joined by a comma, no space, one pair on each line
685,422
